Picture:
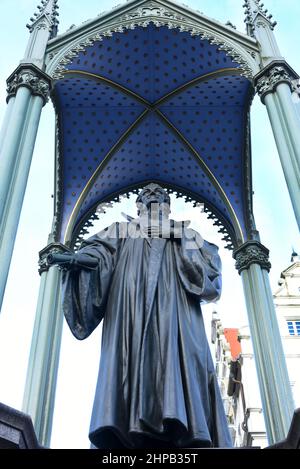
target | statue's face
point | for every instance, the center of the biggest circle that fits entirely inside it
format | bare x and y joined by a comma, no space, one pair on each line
153,194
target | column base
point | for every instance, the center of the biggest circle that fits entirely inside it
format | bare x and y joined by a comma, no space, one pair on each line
16,430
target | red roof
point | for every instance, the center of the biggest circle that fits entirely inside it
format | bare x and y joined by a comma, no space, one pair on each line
232,338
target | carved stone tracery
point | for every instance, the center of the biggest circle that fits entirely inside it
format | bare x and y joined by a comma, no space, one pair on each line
94,214
152,9
159,16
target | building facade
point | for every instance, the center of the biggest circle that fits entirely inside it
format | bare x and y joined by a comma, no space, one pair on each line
235,365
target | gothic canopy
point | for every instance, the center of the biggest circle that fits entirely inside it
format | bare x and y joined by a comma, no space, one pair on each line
153,92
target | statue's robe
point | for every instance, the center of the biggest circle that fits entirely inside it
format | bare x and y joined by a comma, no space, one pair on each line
156,385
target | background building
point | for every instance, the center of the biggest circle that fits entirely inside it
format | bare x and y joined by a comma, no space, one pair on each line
236,367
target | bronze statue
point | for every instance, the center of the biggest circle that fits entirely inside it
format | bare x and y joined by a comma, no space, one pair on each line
146,278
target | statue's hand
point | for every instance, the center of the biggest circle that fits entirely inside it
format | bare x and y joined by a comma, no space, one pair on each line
69,264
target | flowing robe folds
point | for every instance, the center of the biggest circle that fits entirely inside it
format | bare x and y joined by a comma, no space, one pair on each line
156,385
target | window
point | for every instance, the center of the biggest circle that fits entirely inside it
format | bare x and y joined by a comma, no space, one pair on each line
293,327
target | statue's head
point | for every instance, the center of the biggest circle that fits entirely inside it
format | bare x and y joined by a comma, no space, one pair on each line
153,194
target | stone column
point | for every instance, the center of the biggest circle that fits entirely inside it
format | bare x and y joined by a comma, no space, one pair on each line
252,263
6,123
275,84
42,370
28,91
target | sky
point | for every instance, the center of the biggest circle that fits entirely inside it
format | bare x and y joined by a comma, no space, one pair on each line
272,208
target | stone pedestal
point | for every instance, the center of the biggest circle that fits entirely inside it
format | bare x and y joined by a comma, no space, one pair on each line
16,430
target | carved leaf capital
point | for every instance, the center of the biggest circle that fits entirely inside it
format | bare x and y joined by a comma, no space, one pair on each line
31,79
250,253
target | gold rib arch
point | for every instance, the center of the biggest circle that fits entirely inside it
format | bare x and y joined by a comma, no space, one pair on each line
112,83
154,108
222,72
89,184
236,224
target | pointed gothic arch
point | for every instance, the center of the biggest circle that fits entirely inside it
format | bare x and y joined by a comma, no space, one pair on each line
190,96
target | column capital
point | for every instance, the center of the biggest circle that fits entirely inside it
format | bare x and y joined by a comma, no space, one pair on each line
31,77
278,71
251,252
50,249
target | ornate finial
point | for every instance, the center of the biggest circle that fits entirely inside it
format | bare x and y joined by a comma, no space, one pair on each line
230,25
46,11
253,10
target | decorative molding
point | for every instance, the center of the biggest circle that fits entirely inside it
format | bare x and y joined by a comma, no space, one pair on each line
252,252
230,25
58,180
152,9
257,15
158,15
271,76
50,249
253,54
249,216
296,87
42,25
31,77
46,18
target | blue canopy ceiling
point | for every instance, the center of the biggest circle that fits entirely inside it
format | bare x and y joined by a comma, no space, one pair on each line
153,104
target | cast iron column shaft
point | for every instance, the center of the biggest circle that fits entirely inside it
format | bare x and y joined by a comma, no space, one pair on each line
252,262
